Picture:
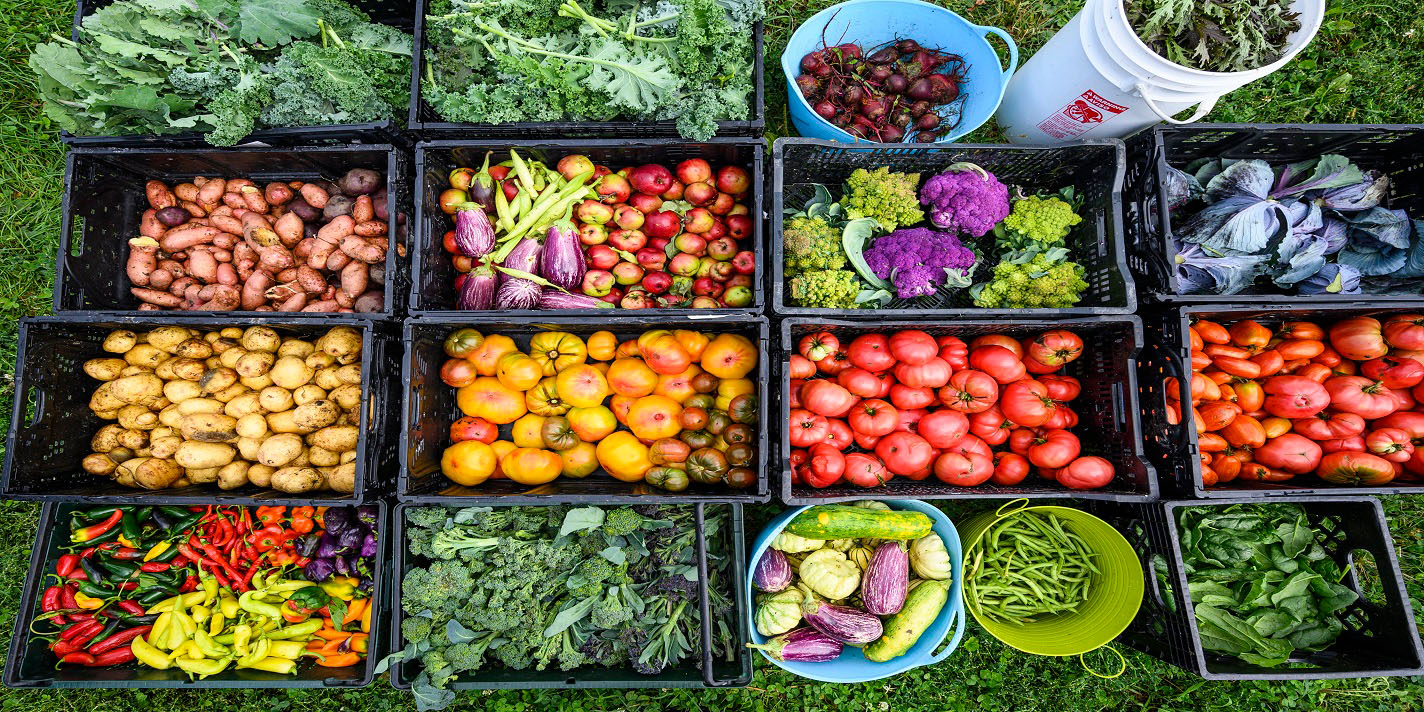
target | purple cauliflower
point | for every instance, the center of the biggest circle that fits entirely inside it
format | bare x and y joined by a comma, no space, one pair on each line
918,260
965,198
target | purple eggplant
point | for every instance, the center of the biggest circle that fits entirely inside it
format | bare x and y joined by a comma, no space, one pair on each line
474,235
524,257
842,623
555,299
517,293
886,579
562,261
478,290
803,645
773,572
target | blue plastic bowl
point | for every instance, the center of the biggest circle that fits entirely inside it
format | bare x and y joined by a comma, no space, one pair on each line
852,666
874,22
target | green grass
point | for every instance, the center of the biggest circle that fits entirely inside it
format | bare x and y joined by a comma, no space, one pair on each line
1364,67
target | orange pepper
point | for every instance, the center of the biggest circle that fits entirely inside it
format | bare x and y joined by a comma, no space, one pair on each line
339,660
302,519
331,634
272,514
354,611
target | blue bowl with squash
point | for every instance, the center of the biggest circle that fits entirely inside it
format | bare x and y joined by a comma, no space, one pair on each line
852,665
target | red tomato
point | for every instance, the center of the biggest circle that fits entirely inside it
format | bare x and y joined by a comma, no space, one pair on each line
840,435
988,424
1007,342
799,474
943,428
871,352
818,346
865,442
826,398
458,372
1415,465
1086,473
1054,448
1361,396
954,351
1404,400
1355,469
1327,357
1249,334
933,373
1354,443
474,428
1300,330
448,242
827,465
913,346
1009,469
835,363
907,397
963,470
864,470
1296,349
874,417
1361,339
1329,425
860,382
1061,388
795,392
1393,444
1294,397
1027,404
807,428
904,453
1063,418
910,419
998,362
970,391
801,367
1394,373
1291,453
970,443
798,457
1054,349
1021,440
1408,421
1404,331
1413,354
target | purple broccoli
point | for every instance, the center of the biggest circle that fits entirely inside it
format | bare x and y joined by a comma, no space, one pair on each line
965,198
918,260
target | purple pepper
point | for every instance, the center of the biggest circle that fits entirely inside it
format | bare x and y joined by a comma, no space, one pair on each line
803,645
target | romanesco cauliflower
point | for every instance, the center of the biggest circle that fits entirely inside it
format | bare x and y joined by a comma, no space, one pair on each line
825,289
811,243
1042,220
1032,279
888,197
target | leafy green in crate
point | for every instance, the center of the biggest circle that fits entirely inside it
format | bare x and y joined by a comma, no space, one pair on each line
1261,584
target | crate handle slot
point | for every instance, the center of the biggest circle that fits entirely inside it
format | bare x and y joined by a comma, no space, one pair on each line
1119,405
704,603
35,417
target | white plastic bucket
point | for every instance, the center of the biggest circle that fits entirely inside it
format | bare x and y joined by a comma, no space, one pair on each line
1096,79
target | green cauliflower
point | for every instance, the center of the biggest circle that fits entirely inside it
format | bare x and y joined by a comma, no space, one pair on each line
825,289
1041,220
811,243
888,197
1032,279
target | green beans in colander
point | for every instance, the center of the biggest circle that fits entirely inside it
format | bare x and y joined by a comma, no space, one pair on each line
1029,565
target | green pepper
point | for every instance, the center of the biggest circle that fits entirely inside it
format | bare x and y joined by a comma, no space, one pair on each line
95,590
153,595
184,524
178,512
120,569
94,514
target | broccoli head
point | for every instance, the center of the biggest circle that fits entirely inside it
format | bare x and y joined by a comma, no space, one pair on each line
612,610
811,243
825,289
428,517
441,587
622,522
416,629
965,198
887,197
1032,279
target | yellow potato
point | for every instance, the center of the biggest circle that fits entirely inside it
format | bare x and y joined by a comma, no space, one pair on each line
217,379
151,472
167,338
98,464
308,393
171,416
194,348
248,447
252,425
280,449
143,389
180,391
209,428
296,480
319,359
316,414
103,399
350,373
343,342
164,446
341,478
347,396
321,457
106,439
203,476
137,417
198,405
295,347
232,333
254,364
260,475
146,355
326,377
104,369
283,422
120,341
337,438
276,399
233,475
256,383
230,392
230,357
261,338
199,455
290,372
244,405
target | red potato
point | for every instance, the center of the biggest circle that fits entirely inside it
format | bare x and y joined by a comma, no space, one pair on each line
180,285
370,228
354,279
310,280
159,196
234,200
303,248
160,279
314,195
185,237
274,258
324,305
289,229
372,301
294,303
221,254
194,209
359,249
226,222
337,261
211,192
156,297
277,193
202,265
226,274
254,290
225,240
188,191
149,226
224,298
143,260
343,300
363,210
253,197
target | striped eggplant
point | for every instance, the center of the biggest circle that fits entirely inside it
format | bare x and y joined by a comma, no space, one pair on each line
474,235
886,579
843,623
478,289
562,261
803,645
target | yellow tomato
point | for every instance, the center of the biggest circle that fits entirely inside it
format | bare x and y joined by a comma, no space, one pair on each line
582,386
579,461
489,399
678,386
601,345
519,372
729,356
631,377
654,417
528,431
623,457
468,462
531,466
593,423
557,350
693,341
486,357
731,388
501,448
544,400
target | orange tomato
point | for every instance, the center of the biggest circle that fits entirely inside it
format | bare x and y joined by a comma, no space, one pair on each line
486,357
628,349
501,448
729,356
620,405
1218,414
468,462
518,372
1300,348
601,345
1276,426
1249,334
623,457
593,423
489,399
1300,330
1244,431
1249,395
531,466
555,351
693,341
1269,361
678,386
1212,332
582,386
1237,366
580,460
631,377
1211,442
653,417
665,354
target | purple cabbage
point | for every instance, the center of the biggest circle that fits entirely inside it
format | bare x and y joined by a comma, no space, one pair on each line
562,261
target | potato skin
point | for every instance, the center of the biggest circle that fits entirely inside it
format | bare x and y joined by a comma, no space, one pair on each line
195,455
104,369
280,449
296,480
336,438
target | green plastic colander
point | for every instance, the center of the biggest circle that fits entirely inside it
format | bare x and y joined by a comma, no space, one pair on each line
1116,593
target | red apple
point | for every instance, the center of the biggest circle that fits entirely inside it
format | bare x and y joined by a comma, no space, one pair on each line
573,164
663,223
627,273
628,240
592,211
614,188
699,194
698,220
593,234
602,257
651,259
691,244
461,263
675,192
637,299
722,205
739,226
599,171
694,170
657,282
731,179
719,229
745,262
704,303
597,282
460,178
721,249
684,264
737,296
510,188
628,217
707,287
651,178
740,280
646,203
460,280
658,243
672,300
722,271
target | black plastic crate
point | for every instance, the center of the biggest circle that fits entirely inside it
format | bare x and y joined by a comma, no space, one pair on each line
432,291
1094,168
1107,410
396,13
429,125
429,409
1397,150
104,200
705,673
51,425
1174,450
32,666
1378,640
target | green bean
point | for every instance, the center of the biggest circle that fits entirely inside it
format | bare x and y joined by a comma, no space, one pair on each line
1028,566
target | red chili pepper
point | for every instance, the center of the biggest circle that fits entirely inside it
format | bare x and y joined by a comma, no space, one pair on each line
121,638
154,567
66,597
130,606
66,564
76,630
88,552
77,575
189,584
178,561
126,554
50,602
77,617
78,658
127,586
117,656
216,558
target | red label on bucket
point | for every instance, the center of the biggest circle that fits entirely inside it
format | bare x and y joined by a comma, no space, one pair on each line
1080,116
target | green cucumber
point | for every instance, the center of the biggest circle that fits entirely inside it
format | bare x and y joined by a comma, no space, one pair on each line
835,521
903,630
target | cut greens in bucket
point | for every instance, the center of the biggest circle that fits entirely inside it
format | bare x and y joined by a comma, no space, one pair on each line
1319,226
1212,35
